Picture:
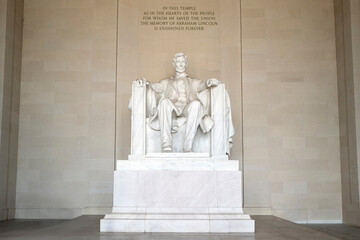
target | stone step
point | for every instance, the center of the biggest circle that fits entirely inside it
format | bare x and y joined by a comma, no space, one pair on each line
191,223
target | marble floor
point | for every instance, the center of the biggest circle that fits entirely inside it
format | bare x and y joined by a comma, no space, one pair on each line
87,228
338,230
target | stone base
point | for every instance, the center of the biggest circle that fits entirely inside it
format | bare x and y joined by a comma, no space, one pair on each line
177,222
177,196
177,156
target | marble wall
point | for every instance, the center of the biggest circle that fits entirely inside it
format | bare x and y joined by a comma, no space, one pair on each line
11,15
354,217
290,103
67,108
3,162
347,13
291,126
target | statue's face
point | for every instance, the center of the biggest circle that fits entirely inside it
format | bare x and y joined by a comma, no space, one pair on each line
180,64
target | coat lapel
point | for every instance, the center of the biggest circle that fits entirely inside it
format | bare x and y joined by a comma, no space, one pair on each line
188,88
172,92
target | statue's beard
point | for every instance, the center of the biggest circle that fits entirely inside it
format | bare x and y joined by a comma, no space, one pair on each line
180,70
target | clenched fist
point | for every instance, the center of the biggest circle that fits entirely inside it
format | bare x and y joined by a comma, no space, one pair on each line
212,82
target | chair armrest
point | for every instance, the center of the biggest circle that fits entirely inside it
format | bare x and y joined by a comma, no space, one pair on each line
138,120
218,109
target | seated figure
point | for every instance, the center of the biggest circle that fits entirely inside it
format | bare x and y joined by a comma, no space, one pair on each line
179,95
181,101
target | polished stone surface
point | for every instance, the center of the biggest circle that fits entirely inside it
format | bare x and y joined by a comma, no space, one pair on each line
177,196
87,227
341,231
180,164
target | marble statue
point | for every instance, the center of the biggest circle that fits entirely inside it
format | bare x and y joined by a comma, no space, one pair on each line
164,188
179,104
186,103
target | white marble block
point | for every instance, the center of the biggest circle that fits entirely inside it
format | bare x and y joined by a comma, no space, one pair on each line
218,133
201,195
138,119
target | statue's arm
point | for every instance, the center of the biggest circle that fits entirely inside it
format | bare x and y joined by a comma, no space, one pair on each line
201,85
157,87
141,82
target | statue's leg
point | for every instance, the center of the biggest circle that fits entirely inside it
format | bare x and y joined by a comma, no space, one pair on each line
193,114
165,109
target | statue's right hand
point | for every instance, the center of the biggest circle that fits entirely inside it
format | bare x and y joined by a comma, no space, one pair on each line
140,82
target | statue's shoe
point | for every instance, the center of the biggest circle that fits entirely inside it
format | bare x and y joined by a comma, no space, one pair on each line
188,150
167,149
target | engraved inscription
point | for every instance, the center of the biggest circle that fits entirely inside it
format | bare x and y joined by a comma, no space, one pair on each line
179,18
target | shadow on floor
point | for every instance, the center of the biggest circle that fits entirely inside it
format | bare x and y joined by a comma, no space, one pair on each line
87,228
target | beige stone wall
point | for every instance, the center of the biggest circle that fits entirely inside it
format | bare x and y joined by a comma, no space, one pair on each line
347,14
11,12
67,115
67,108
3,11
291,127
354,15
14,100
3,162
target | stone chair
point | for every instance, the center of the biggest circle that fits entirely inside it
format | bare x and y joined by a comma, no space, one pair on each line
179,192
146,142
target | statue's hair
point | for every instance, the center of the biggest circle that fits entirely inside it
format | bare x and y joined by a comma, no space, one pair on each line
180,54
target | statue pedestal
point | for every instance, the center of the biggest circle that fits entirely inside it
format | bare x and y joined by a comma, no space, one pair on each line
186,195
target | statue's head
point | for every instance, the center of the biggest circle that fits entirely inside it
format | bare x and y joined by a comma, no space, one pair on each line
180,62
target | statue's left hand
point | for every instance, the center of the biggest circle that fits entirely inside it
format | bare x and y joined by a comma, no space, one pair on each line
212,82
